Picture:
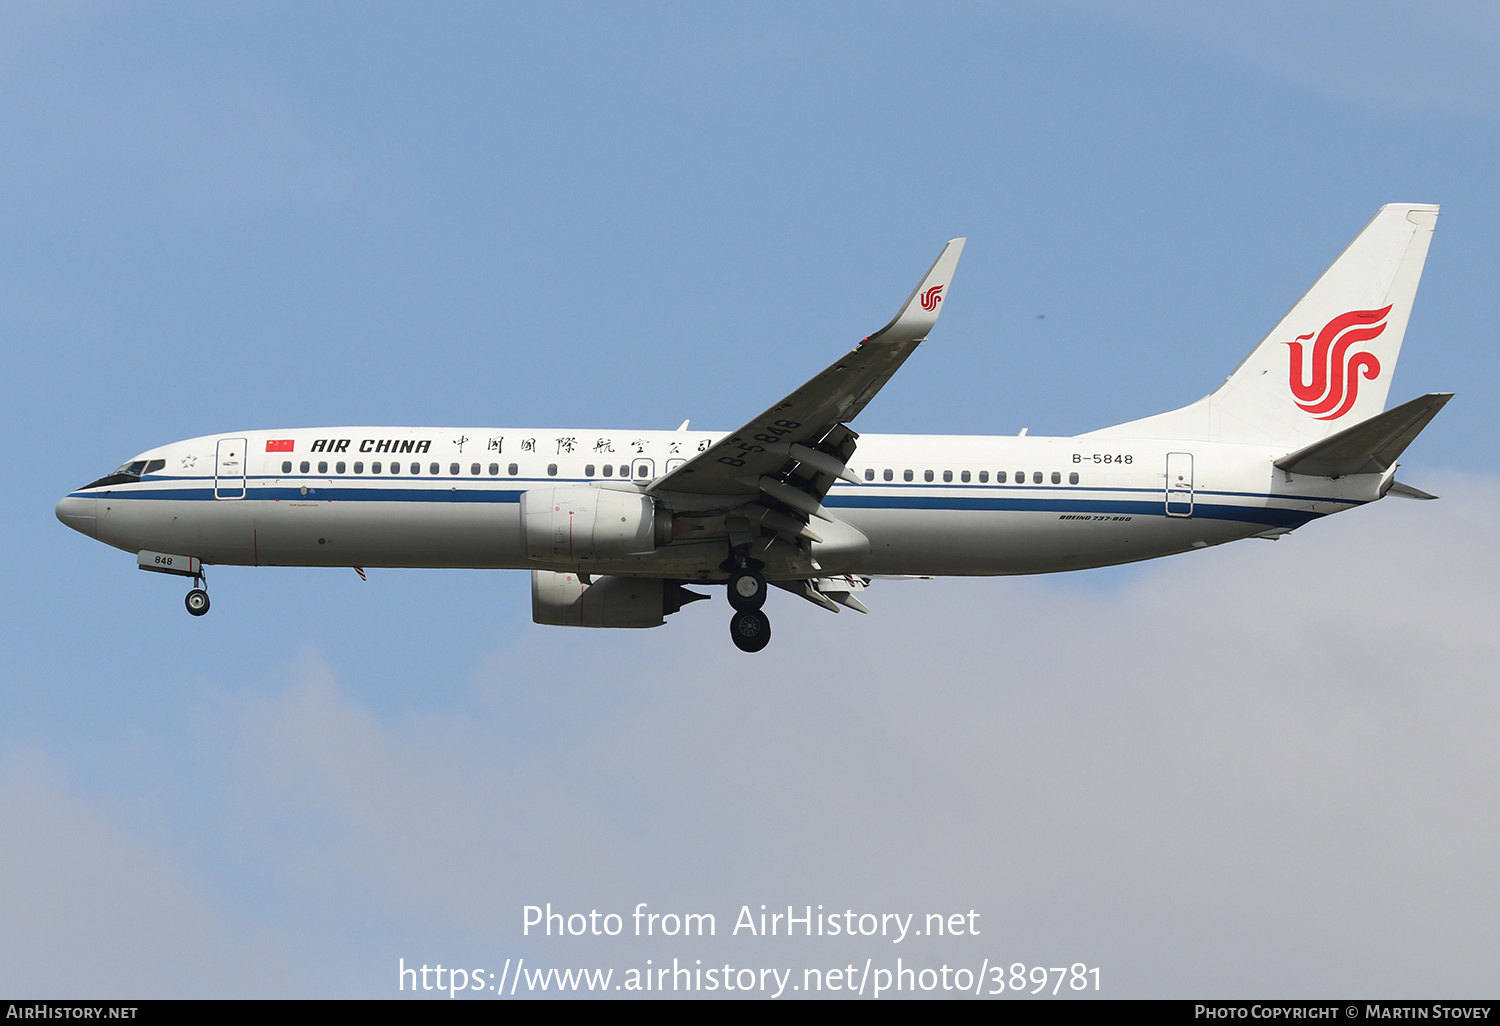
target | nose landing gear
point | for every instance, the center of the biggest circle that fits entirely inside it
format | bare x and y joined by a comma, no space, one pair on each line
197,599
179,566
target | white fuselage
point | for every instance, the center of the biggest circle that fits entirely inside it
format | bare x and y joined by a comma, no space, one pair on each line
613,524
929,504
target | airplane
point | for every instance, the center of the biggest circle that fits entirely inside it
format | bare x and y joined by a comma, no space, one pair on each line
615,525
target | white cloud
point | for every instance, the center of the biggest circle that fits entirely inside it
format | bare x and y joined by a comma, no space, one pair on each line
1263,769
88,909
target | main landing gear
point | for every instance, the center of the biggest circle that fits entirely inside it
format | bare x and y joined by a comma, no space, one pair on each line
750,628
747,590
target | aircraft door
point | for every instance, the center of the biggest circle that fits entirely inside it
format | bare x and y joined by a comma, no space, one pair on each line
229,469
1179,484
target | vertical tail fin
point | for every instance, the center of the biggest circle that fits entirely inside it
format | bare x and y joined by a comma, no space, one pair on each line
1328,363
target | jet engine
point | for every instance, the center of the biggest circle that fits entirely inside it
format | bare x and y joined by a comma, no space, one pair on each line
568,525
565,600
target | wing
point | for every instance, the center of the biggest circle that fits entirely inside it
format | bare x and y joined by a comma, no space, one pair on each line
830,592
795,450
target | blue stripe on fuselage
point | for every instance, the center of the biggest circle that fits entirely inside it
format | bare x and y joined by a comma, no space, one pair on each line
1269,515
911,499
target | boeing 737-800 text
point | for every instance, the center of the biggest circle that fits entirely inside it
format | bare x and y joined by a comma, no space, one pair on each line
614,525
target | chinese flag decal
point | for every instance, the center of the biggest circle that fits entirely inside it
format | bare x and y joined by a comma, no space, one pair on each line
279,445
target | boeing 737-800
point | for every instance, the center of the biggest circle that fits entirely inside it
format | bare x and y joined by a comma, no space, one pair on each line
615,525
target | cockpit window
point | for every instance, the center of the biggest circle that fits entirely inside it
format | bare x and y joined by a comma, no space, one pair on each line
128,473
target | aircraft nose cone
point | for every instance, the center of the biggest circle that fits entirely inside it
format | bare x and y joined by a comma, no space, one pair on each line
78,513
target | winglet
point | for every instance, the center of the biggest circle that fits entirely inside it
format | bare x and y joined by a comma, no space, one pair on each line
925,302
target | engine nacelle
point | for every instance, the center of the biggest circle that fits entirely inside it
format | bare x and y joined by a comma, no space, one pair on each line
564,600
571,525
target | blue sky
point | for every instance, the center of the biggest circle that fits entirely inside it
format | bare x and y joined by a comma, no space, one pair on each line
239,216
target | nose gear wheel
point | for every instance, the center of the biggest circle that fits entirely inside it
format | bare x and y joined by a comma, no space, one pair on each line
197,602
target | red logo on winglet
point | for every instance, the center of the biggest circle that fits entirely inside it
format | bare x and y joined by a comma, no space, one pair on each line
280,445
932,297
1335,370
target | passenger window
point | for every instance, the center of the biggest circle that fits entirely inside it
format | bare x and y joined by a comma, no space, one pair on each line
1073,477
588,471
434,470
375,468
513,469
890,475
964,477
1056,477
306,467
494,470
869,473
286,467
948,475
1036,477
1000,477
339,467
1020,477
359,468
609,470
552,470
927,475
416,468
624,470
640,471
906,475
473,470
395,468
452,470
984,477
322,466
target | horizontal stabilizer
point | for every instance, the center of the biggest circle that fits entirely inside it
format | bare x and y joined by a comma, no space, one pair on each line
1406,491
1369,447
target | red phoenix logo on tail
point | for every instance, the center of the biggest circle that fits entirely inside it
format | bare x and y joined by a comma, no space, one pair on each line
932,297
1336,371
